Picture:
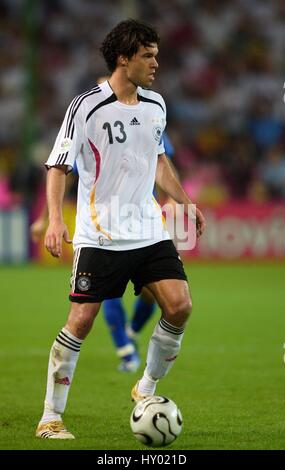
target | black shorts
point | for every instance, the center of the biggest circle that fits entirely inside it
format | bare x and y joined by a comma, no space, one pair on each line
104,274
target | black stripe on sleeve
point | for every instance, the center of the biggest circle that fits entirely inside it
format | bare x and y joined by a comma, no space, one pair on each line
148,100
109,100
77,105
59,158
69,131
62,158
74,103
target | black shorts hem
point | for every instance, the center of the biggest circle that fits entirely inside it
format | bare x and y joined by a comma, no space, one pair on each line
83,299
91,299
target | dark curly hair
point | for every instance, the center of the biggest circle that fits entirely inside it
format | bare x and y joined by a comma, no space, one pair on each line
125,39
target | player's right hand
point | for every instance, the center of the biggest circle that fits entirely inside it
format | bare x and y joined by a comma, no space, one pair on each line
53,239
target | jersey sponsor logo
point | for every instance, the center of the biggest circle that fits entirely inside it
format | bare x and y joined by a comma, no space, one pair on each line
84,283
134,122
65,144
157,133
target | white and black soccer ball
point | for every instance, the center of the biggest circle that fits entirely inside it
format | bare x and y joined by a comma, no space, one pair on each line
156,421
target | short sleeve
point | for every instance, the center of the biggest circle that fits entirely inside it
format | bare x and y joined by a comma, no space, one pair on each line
69,140
161,145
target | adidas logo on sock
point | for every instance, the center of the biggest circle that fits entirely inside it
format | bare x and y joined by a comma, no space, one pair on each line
134,122
64,381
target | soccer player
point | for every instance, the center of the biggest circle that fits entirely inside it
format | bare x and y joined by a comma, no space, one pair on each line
114,133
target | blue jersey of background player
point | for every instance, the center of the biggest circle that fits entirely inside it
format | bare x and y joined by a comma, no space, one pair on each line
123,333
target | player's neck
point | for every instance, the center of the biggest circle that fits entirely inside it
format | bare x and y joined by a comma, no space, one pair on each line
125,91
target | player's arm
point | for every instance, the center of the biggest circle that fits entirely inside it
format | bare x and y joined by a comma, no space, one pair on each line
67,147
168,182
57,229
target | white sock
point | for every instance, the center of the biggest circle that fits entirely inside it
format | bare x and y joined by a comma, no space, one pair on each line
147,384
163,349
50,415
62,362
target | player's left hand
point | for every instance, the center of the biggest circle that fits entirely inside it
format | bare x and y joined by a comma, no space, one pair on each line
200,223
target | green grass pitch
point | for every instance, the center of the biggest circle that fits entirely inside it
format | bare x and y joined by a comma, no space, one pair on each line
229,379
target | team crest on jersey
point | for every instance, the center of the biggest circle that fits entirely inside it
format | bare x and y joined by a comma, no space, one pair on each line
83,283
65,144
157,133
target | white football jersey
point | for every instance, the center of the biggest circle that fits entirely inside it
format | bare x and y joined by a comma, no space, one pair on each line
116,147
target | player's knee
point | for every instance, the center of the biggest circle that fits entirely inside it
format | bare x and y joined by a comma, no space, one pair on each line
81,320
179,310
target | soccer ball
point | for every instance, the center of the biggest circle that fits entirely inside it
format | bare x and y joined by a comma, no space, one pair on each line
156,421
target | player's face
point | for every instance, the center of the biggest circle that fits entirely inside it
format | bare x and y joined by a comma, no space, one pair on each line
142,66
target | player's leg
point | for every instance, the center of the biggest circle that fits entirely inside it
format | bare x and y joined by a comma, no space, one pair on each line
161,270
174,300
66,347
143,310
94,278
115,317
63,358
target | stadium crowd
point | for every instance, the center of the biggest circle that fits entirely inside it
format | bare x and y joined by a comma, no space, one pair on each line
222,66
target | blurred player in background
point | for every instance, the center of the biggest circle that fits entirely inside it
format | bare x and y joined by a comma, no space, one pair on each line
114,132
